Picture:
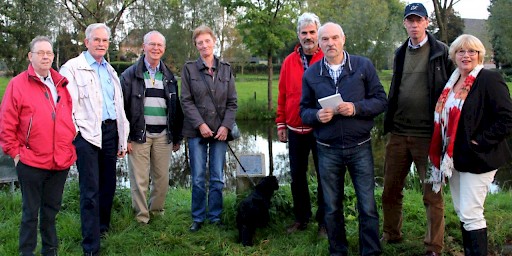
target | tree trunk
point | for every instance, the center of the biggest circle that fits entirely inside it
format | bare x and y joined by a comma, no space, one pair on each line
269,88
270,130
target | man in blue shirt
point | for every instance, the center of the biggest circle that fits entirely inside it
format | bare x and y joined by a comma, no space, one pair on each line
98,114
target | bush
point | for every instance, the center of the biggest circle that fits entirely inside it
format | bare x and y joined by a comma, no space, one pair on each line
120,66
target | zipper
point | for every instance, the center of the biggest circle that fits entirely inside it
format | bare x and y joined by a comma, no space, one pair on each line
28,132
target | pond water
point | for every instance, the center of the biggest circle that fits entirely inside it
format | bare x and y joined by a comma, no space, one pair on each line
255,139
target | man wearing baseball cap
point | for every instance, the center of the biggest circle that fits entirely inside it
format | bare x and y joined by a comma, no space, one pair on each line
420,71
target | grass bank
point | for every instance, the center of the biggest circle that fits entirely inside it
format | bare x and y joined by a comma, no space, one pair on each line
169,235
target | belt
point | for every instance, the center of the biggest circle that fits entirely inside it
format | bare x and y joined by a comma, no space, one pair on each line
108,121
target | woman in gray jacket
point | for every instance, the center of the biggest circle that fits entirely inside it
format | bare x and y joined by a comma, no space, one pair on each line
209,103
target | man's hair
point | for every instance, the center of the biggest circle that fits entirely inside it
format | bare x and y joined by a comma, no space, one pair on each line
202,30
321,29
94,26
146,36
38,39
307,18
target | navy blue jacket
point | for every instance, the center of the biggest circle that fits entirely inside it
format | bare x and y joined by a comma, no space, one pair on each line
358,84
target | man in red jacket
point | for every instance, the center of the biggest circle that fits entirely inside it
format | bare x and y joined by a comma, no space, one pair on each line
37,131
290,127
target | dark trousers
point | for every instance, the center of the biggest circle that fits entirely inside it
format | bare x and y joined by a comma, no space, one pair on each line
41,192
401,152
299,146
97,181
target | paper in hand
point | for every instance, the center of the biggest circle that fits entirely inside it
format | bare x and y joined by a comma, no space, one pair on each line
331,101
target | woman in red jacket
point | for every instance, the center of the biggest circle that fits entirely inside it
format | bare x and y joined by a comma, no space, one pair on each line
37,131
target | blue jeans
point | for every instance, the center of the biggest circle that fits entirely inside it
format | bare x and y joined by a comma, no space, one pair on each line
199,152
333,163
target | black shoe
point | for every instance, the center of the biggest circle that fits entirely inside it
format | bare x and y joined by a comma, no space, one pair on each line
218,224
196,226
296,226
322,231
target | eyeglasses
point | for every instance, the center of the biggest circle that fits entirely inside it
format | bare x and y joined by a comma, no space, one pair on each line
42,53
470,52
155,45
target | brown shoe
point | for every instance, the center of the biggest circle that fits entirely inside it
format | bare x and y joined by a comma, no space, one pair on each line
322,231
296,226
384,240
430,253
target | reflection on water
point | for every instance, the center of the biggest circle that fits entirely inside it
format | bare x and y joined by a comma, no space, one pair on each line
254,139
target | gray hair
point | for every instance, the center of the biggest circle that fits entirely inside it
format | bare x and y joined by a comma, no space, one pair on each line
94,26
321,29
38,39
146,36
307,18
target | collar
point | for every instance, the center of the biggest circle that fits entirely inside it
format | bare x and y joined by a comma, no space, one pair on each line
419,45
327,65
346,62
90,60
148,66
44,79
204,66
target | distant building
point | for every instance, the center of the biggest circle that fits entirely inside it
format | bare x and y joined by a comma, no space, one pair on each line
130,48
478,28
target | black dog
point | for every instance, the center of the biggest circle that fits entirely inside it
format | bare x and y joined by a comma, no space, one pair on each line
253,210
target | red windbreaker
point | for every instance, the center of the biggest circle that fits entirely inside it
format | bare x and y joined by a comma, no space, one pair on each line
33,126
290,91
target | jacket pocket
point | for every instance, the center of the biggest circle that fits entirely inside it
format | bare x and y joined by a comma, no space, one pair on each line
84,102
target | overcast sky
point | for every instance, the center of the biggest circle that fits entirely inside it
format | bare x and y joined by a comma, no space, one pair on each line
470,9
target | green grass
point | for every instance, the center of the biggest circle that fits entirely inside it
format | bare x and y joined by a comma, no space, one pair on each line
3,84
169,235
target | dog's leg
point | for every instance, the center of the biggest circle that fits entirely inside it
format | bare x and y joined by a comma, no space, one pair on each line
246,235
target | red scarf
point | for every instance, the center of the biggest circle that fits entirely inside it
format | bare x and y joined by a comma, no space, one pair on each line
446,121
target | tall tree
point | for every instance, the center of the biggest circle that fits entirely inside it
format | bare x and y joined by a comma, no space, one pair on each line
443,9
20,22
264,26
455,29
85,12
501,34
176,19
373,28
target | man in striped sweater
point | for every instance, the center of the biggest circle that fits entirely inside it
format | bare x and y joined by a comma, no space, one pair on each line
153,108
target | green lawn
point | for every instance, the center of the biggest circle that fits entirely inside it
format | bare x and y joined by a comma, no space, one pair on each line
169,235
3,84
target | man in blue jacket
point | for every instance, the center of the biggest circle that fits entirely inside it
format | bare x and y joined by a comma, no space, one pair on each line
343,135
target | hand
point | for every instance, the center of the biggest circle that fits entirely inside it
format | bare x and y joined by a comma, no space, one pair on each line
346,109
121,153
205,130
325,115
282,135
16,160
175,147
129,148
222,134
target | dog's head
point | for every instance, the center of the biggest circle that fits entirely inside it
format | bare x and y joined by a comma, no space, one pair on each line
268,185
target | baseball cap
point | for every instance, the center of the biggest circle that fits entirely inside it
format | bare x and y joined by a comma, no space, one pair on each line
415,9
